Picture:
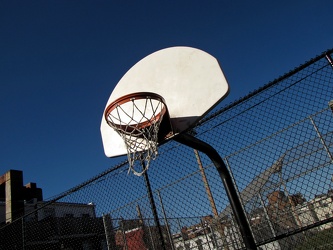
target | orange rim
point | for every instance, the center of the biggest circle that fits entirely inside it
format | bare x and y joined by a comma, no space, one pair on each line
130,97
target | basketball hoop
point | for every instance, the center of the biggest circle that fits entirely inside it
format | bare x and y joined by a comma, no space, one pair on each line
137,118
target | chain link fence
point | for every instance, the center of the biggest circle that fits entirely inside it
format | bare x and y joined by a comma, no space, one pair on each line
277,143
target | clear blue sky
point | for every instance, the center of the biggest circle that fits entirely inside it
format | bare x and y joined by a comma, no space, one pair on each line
60,60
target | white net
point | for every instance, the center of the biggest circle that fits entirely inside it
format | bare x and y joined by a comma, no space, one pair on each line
137,122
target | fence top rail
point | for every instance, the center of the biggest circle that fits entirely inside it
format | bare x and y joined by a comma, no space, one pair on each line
268,85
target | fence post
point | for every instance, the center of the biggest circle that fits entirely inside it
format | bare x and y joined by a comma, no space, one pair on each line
108,229
23,234
151,235
321,138
124,234
205,181
204,228
329,59
181,233
153,208
266,215
166,220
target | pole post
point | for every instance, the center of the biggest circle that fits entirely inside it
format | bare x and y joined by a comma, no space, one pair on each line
321,138
230,189
23,234
124,234
207,187
153,208
109,233
166,220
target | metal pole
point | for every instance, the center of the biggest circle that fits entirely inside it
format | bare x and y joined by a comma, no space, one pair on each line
204,228
321,139
151,236
291,203
153,208
180,228
166,220
108,229
23,234
124,234
205,181
138,210
329,59
266,215
213,236
230,189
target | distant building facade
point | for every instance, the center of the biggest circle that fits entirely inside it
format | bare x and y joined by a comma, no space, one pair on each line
28,222
13,195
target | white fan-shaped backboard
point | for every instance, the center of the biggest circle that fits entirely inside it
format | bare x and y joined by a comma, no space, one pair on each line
190,80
